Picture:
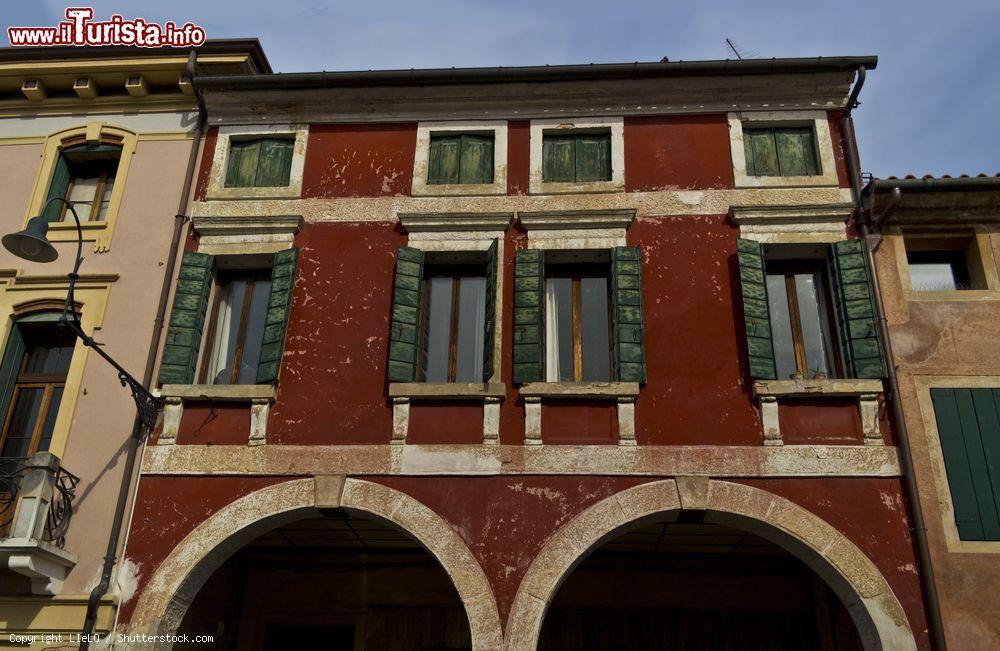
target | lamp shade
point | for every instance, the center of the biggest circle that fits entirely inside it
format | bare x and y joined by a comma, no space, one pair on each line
31,243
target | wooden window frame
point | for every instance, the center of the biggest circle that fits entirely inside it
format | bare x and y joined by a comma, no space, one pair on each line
219,278
48,382
576,272
95,206
576,135
455,272
460,136
773,129
259,139
788,269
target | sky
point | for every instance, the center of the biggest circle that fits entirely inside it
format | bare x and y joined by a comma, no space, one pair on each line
931,106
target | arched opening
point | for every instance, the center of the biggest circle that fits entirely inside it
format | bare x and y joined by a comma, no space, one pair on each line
340,580
682,583
168,599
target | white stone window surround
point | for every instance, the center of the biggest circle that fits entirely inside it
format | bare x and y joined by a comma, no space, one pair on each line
818,120
540,128
574,231
220,160
806,224
457,233
421,158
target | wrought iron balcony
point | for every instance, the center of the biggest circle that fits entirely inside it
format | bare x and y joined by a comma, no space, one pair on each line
36,505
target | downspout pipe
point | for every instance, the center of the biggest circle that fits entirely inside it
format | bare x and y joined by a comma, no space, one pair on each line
929,585
138,432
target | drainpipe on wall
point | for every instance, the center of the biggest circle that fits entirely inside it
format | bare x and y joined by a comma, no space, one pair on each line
906,459
137,437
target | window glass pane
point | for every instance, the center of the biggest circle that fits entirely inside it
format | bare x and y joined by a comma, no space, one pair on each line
109,185
230,308
781,327
471,329
594,330
932,277
437,336
256,318
559,329
24,417
808,289
81,193
48,351
50,419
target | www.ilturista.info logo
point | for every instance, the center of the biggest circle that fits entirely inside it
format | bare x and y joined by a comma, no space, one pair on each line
79,28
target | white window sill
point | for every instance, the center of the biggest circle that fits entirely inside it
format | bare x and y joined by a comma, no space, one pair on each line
557,187
806,388
446,390
572,390
458,189
219,392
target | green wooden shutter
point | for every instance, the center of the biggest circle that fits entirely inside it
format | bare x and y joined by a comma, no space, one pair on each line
593,157
489,334
57,188
443,160
10,366
756,316
796,151
761,152
187,319
274,164
559,159
405,315
279,305
628,341
967,421
476,159
241,167
529,334
856,310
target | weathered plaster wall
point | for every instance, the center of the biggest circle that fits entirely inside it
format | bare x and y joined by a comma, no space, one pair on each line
946,344
359,160
677,152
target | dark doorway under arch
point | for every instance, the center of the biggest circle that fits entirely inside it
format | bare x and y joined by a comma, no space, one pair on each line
695,586
341,582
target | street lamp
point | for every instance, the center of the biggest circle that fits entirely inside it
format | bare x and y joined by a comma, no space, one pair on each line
32,244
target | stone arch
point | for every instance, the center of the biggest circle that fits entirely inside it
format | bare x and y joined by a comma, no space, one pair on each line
165,599
876,611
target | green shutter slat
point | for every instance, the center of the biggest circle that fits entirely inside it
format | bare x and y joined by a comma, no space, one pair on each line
403,337
593,157
279,306
761,152
489,334
559,159
856,312
476,153
274,163
58,186
966,420
444,157
628,340
756,316
187,319
529,336
13,354
796,151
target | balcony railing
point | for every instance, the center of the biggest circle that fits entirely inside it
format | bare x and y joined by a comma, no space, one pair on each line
36,506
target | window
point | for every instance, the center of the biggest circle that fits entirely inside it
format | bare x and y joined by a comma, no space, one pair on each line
259,162
796,298
460,158
798,304
245,300
84,175
236,329
577,329
37,356
443,315
576,157
453,323
939,264
968,422
578,316
784,151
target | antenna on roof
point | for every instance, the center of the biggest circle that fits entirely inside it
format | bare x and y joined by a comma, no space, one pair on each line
733,48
